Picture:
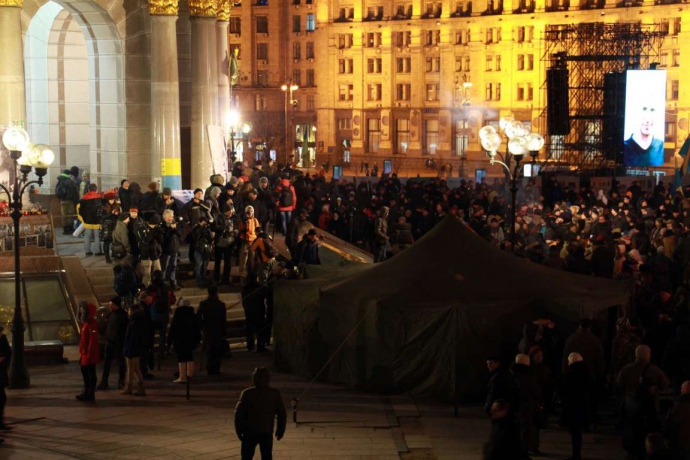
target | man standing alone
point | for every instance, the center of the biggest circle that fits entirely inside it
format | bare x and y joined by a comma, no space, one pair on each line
255,416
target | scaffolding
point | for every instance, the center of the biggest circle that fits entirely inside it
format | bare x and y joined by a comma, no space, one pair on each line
589,51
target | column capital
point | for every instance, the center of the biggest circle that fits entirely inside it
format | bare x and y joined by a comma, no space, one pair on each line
11,3
162,7
202,8
223,13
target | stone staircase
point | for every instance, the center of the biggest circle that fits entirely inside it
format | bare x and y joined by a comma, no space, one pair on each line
101,281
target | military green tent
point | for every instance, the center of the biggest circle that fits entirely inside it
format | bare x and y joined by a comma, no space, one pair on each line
425,320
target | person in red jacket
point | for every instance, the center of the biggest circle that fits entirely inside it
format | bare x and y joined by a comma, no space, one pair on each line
88,350
287,201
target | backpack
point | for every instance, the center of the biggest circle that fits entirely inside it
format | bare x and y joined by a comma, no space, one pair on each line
163,300
61,189
286,199
270,247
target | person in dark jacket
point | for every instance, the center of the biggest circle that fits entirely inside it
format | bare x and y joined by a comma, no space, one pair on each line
170,248
125,195
293,230
111,212
90,213
213,321
133,350
69,201
149,241
203,249
575,394
501,385
115,330
191,213
678,424
89,350
260,209
529,395
307,251
224,245
125,282
163,298
258,411
254,312
5,355
184,336
151,204
504,443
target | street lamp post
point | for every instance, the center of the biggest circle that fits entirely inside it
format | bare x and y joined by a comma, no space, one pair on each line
27,157
520,142
288,89
235,126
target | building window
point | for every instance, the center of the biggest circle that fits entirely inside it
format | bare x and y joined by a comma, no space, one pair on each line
296,23
259,103
310,50
374,92
262,24
433,64
676,26
663,59
374,65
458,63
432,91
493,35
402,91
344,124
296,51
344,66
262,51
497,91
311,22
489,64
433,10
670,131
525,34
673,90
402,135
344,41
467,64
310,102
374,13
310,78
493,92
402,38
432,37
462,37
402,65
261,78
297,77
498,63
430,136
373,40
373,135
345,92
235,26
676,58
462,138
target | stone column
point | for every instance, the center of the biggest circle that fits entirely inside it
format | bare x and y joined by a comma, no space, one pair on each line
165,95
12,92
204,87
222,49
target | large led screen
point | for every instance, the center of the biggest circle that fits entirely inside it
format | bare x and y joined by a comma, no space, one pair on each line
645,104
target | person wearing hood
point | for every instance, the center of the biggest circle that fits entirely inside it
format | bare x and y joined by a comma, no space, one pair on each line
575,394
258,411
89,350
216,181
89,212
381,235
67,191
286,201
266,196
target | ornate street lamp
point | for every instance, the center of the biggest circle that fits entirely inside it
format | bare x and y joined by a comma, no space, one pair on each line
520,142
235,126
27,157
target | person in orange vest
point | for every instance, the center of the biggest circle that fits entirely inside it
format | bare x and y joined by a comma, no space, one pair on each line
249,228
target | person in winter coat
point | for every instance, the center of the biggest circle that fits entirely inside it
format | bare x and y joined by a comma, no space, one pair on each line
184,336
125,195
307,251
529,396
213,320
122,247
88,350
286,201
5,355
203,248
111,212
170,248
258,411
151,204
69,197
501,385
115,330
575,394
254,313
224,244
149,240
678,424
248,229
381,235
135,338
90,213
125,282
504,442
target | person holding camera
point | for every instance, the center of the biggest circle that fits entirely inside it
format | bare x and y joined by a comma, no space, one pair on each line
203,249
171,246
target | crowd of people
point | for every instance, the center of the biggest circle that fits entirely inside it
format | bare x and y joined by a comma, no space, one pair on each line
625,233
